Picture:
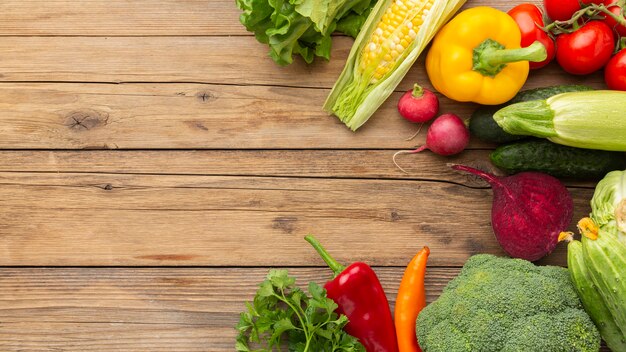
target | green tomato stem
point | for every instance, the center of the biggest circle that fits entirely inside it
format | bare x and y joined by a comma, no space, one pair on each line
619,19
491,57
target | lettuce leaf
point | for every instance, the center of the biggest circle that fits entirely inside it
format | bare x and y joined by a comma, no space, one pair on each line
302,27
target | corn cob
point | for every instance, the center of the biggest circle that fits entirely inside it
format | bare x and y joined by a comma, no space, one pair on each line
390,41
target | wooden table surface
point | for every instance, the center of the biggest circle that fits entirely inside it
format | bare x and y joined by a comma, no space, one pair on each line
155,163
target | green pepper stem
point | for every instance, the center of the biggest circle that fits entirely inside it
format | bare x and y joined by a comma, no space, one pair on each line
490,57
332,263
417,91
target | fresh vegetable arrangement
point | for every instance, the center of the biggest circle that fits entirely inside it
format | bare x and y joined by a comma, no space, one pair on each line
499,304
301,27
482,55
394,35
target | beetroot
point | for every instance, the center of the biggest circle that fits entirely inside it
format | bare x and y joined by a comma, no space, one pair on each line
418,105
529,211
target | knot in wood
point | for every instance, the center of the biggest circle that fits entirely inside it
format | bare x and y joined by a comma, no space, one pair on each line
86,119
206,96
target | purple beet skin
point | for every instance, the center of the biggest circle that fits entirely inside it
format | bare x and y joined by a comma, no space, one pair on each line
529,211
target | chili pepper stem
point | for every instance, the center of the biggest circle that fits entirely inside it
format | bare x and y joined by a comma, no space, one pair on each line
417,91
490,57
332,263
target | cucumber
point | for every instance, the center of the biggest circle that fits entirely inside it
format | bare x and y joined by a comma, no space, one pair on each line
556,160
605,258
591,299
485,128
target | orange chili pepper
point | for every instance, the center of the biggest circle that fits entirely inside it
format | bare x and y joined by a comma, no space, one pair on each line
410,301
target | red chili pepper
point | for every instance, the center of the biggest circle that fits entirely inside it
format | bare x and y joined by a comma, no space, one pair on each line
361,298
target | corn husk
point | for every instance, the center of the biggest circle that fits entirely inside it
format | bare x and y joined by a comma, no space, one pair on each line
353,98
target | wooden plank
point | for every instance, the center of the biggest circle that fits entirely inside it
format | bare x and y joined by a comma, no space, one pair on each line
142,309
131,18
218,60
363,164
108,219
171,310
184,116
119,18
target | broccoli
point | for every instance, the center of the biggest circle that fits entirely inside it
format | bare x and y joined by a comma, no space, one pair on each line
502,304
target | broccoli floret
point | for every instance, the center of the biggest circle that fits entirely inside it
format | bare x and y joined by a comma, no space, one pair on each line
502,304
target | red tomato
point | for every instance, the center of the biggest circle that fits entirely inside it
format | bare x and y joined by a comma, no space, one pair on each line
530,21
611,21
562,10
586,50
615,71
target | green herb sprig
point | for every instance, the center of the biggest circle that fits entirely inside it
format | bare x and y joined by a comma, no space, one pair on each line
282,314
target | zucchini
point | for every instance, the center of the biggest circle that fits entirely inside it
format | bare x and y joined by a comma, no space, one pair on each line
605,258
591,299
483,126
591,120
556,160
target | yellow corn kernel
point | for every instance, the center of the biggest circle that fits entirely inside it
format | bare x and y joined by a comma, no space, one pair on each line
394,33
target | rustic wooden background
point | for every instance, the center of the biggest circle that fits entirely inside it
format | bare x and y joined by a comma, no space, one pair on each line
155,163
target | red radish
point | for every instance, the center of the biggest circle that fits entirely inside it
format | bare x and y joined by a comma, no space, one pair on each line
529,211
447,135
418,105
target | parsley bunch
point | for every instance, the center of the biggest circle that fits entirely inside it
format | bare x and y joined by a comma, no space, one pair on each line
283,314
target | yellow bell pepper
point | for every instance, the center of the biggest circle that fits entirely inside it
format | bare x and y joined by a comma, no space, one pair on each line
477,57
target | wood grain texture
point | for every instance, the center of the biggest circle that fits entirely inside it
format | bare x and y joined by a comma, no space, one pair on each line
99,219
190,116
193,116
218,60
186,310
111,18
142,309
349,164
131,18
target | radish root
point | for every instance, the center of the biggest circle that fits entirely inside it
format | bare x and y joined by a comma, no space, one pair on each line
416,133
406,152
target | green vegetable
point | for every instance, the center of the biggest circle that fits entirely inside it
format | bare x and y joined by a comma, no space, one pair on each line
502,304
591,299
483,126
608,205
281,313
301,27
593,120
556,160
605,257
